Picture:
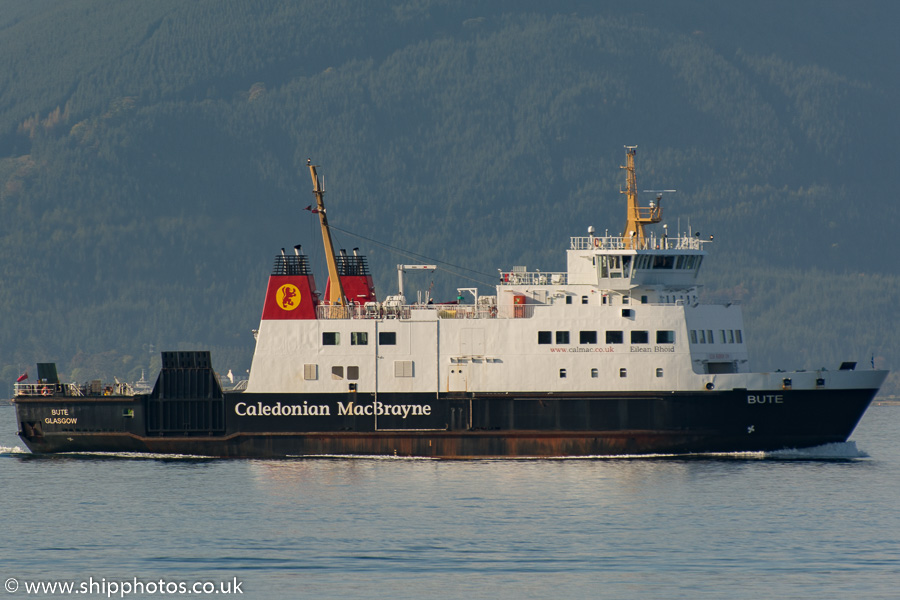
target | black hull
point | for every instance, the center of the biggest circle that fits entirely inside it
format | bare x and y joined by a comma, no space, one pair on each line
458,426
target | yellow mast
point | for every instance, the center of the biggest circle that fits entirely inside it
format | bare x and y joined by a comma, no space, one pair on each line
633,236
336,290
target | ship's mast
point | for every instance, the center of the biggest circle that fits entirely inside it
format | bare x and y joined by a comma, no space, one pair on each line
336,290
633,236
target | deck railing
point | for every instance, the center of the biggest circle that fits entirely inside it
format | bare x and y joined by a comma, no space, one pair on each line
651,242
444,311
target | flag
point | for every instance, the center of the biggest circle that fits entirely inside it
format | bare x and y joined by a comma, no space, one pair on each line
311,209
22,377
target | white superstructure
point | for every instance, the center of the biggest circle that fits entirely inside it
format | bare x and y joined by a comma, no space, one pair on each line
624,316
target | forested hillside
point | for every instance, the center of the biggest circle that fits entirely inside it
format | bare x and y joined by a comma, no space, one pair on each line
152,159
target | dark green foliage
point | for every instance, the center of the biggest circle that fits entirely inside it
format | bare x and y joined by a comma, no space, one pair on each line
152,158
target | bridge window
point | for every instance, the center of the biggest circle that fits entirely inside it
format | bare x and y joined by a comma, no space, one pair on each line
587,337
693,336
331,338
614,337
545,337
738,336
359,338
387,338
640,337
663,262
665,336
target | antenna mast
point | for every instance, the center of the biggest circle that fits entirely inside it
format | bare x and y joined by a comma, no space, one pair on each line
633,236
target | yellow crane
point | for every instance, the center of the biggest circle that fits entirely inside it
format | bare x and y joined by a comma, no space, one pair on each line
336,290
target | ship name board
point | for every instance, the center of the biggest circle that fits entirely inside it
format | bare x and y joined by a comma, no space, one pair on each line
258,409
765,399
60,416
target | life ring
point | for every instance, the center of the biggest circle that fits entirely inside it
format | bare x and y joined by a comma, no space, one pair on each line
596,242
46,391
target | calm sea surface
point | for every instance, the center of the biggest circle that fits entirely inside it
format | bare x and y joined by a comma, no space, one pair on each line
817,525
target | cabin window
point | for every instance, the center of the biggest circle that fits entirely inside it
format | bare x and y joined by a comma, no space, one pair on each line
310,372
738,336
643,299
587,337
701,336
722,335
353,373
665,336
403,368
562,373
595,373
627,312
693,336
709,337
545,337
614,337
337,372
568,299
359,338
562,337
659,372
640,337
584,299
387,338
731,336
623,372
331,338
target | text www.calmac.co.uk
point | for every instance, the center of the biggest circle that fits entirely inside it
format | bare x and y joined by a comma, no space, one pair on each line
120,588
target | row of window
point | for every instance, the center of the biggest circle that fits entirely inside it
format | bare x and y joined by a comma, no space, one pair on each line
359,338
726,336
595,373
663,336
646,261
402,368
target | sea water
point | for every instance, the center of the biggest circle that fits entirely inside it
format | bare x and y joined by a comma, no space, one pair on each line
794,524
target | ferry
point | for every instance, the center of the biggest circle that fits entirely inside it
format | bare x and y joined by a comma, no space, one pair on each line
616,355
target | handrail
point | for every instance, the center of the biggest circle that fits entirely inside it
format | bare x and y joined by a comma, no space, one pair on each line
652,242
533,278
444,311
